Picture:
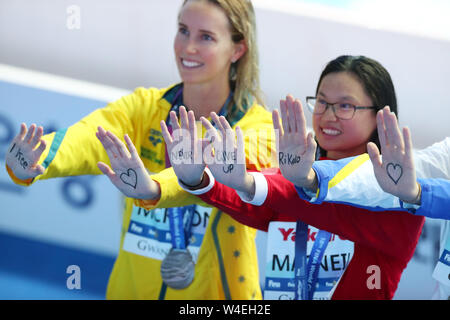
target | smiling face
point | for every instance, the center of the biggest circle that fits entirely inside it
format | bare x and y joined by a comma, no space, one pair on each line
344,138
203,46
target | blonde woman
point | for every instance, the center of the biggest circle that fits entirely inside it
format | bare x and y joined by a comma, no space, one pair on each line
213,256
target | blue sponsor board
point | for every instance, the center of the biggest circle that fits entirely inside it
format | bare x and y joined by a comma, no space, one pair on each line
445,257
57,223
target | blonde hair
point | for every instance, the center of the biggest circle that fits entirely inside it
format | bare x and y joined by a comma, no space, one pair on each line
244,73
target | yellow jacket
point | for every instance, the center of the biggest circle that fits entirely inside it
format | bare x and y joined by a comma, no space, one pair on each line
227,265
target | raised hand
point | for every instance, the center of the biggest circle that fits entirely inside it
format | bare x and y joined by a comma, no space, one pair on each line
394,170
296,149
127,171
227,162
25,151
184,147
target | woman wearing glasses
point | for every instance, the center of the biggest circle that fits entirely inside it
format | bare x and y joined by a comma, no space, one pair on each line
350,91
416,181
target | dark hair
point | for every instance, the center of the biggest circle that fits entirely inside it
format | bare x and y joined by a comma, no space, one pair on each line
374,78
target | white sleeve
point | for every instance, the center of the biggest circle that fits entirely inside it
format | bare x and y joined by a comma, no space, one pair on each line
361,187
434,161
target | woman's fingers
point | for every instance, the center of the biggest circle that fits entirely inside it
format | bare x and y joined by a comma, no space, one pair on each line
40,149
277,122
392,130
101,135
312,145
107,143
215,141
382,131
284,116
174,120
291,114
106,170
119,145
37,137
166,134
374,154
25,151
38,170
184,118
408,142
20,137
192,125
300,119
224,123
131,147
211,132
29,134
22,132
227,133
240,156
215,118
207,124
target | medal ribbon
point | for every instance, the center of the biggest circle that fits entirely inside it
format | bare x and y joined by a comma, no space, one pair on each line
180,219
306,274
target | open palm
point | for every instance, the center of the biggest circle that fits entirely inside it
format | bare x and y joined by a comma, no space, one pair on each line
394,170
296,149
127,171
25,151
227,162
184,147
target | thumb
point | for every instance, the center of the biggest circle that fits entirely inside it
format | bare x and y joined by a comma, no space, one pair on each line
374,155
106,170
311,143
38,170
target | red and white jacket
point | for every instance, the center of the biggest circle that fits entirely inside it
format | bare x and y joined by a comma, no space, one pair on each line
384,242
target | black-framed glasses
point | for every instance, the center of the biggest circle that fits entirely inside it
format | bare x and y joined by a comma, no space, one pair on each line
343,111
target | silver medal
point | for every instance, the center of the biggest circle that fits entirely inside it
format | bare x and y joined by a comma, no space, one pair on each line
177,269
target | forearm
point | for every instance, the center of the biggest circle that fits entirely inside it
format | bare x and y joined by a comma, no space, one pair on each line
226,199
309,183
373,229
248,187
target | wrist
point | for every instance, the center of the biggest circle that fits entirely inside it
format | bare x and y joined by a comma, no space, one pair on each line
193,182
17,180
195,185
310,182
248,186
155,191
417,199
